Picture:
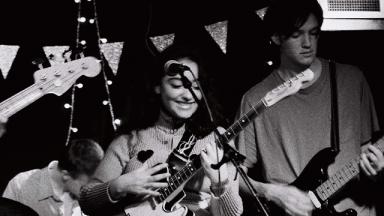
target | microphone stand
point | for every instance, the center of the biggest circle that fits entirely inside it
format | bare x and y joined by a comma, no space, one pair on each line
230,154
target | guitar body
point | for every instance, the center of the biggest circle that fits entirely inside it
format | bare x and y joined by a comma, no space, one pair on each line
314,174
330,211
151,207
167,207
170,205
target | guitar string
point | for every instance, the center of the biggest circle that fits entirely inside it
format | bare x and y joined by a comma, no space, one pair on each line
347,172
179,173
31,89
4,104
254,108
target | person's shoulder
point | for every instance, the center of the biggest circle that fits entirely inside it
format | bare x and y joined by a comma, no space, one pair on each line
125,140
27,178
347,69
121,139
348,74
24,176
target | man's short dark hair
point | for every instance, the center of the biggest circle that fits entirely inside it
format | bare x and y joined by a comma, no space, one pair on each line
284,17
81,156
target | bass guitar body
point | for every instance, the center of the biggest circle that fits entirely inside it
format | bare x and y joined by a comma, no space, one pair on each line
313,175
151,207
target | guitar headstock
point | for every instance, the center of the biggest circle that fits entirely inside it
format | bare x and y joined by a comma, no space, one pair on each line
59,78
289,87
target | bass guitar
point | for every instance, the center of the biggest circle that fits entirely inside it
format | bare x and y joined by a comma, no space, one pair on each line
166,203
322,189
55,80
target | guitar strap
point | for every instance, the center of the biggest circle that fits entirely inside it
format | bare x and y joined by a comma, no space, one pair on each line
180,155
334,111
184,148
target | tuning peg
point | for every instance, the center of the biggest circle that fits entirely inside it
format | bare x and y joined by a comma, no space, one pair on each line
38,62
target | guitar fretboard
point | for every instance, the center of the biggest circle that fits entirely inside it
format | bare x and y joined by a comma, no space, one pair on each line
20,100
342,176
176,180
240,124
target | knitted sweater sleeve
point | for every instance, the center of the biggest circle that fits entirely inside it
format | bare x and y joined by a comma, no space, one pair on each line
229,203
94,197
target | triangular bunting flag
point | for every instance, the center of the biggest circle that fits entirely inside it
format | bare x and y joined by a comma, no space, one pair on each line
218,32
112,53
55,54
261,12
163,41
7,55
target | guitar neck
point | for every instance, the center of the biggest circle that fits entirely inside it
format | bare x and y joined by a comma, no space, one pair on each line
176,180
348,172
20,100
240,124
55,80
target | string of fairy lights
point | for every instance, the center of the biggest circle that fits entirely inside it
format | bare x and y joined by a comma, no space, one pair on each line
82,20
218,31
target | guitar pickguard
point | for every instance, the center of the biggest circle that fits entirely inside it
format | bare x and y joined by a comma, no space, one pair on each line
169,205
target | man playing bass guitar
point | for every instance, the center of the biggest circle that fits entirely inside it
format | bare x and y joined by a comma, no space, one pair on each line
281,143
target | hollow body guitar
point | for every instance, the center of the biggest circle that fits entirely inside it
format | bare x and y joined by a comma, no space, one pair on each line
166,203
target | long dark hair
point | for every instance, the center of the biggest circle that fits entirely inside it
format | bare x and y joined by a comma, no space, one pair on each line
148,104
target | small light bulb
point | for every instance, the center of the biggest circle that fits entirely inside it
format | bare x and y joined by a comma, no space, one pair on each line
67,106
77,1
105,102
83,42
117,122
82,19
109,82
270,63
80,85
91,21
74,130
103,40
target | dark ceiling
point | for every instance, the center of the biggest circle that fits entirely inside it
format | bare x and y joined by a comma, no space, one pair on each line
54,21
